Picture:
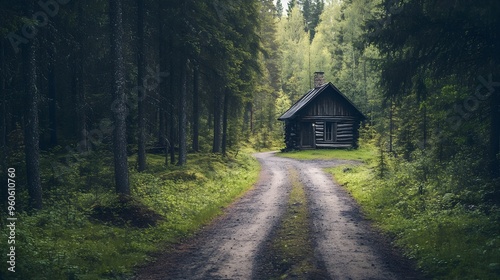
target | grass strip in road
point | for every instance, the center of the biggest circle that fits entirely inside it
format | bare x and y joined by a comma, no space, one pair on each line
289,254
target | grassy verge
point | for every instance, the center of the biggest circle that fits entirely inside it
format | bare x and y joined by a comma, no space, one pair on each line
447,239
67,240
444,226
290,253
362,154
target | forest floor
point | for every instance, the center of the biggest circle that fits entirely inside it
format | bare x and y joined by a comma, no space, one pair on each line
340,243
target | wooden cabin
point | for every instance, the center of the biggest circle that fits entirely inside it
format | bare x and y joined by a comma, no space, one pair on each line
322,118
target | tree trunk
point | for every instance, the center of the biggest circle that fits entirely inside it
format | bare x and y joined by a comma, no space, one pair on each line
162,110
31,122
82,107
216,146
494,135
80,84
391,124
3,131
141,92
246,118
424,127
171,137
52,94
423,92
182,115
224,122
119,108
171,101
161,124
196,110
251,118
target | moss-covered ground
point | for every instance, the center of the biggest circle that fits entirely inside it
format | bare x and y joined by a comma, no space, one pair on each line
87,232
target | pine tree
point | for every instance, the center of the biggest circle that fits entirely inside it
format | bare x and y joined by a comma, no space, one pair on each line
119,98
279,8
291,5
31,126
141,91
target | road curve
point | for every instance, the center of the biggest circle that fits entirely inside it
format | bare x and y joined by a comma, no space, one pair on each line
230,247
226,249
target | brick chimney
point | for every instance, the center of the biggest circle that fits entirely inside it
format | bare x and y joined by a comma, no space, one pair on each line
319,79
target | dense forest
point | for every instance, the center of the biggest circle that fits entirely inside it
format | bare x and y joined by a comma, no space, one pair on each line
97,95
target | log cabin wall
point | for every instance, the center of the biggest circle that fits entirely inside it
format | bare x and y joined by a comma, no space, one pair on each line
335,122
323,118
335,134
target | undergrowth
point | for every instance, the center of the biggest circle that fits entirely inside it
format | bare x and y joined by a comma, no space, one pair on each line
85,231
441,219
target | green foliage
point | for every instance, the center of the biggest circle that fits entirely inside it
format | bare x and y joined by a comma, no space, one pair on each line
62,244
88,232
440,222
265,130
190,197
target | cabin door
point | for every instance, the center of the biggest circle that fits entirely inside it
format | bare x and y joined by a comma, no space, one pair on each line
307,135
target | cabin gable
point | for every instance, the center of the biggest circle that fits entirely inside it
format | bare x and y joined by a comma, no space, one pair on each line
328,104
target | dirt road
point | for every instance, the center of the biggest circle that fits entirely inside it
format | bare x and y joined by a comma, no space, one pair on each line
232,245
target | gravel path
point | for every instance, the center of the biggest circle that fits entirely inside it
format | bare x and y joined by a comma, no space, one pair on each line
230,247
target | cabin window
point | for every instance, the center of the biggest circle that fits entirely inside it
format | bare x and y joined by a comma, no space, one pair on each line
330,131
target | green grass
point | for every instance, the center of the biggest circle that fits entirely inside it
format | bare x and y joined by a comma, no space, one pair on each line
362,154
448,240
191,196
64,242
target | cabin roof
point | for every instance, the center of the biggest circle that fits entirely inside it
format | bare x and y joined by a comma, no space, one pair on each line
310,96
